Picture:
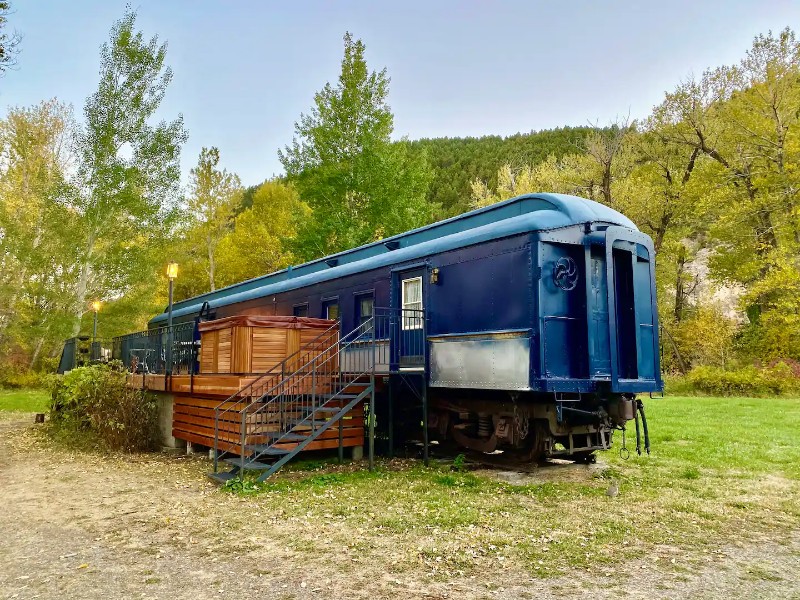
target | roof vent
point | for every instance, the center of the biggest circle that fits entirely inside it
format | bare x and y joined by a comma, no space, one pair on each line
332,262
392,244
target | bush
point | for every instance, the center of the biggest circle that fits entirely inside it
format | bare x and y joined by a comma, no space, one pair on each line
14,378
777,379
96,398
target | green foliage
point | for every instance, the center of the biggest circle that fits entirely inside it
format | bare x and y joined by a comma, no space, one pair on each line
86,210
457,162
15,378
777,379
359,185
460,463
213,197
36,254
96,398
269,224
241,486
126,190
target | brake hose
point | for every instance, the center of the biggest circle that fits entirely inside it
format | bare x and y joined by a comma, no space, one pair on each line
640,406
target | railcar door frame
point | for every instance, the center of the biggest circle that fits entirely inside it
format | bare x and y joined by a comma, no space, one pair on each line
407,333
618,382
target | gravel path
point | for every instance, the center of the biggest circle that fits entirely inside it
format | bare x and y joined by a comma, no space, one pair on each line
80,526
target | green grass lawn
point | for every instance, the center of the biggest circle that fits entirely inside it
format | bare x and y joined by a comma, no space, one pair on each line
24,400
721,469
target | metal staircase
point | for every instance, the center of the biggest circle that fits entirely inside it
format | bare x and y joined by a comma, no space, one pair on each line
268,422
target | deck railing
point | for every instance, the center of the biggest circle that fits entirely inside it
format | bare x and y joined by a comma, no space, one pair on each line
79,351
159,351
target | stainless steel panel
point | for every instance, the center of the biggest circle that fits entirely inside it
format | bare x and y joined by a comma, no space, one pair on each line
501,363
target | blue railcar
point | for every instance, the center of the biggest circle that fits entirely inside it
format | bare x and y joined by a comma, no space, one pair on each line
540,318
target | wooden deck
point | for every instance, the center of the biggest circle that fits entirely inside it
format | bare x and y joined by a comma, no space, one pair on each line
195,399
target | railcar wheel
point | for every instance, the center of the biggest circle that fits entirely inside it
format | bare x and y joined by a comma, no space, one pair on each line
535,449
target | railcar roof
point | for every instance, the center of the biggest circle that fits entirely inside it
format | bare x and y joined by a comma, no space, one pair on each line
527,213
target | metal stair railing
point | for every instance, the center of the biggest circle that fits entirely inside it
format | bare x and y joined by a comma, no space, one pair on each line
369,391
265,381
296,400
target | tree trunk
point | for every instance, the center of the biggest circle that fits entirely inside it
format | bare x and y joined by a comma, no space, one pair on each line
36,352
680,290
82,288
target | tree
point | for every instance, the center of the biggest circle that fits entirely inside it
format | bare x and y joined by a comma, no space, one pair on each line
9,43
358,184
213,198
35,254
262,234
126,189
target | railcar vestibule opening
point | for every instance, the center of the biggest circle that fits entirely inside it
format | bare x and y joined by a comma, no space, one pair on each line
627,356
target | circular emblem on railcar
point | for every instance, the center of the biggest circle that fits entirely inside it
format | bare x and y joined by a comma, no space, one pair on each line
565,273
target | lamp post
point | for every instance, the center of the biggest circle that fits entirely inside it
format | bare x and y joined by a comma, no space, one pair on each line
96,309
95,347
172,274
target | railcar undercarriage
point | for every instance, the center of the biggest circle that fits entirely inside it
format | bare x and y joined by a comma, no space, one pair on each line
531,427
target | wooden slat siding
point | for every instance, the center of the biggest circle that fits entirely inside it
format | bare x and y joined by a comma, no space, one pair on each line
221,386
347,442
235,448
191,432
204,441
193,421
224,350
242,350
292,341
270,347
234,413
208,352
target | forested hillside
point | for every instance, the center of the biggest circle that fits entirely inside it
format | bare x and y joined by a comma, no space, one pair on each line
456,162
93,209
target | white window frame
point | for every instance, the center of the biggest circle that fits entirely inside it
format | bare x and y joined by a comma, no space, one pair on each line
410,322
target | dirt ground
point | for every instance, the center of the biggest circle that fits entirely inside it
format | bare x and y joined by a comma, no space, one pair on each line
76,525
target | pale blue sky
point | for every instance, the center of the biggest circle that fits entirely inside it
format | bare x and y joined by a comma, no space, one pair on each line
245,70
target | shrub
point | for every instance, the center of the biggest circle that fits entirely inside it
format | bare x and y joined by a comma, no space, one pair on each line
97,398
16,378
777,379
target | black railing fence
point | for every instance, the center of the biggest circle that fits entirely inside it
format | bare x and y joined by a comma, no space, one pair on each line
83,350
159,351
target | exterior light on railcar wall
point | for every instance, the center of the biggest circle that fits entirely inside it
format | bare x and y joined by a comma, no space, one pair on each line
435,275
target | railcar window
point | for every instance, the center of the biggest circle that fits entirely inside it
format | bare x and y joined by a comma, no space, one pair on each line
332,311
301,310
365,306
412,301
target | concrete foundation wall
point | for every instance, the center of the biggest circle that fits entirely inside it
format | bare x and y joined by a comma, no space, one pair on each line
166,404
